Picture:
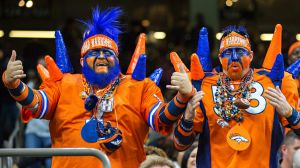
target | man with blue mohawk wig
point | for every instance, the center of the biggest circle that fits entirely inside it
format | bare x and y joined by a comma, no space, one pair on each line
243,111
100,108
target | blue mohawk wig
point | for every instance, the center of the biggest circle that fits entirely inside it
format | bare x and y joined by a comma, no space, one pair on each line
233,28
104,22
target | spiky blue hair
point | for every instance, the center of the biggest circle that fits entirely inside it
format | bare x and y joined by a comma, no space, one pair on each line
104,22
233,28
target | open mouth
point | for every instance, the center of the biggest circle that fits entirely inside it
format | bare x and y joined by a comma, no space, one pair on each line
101,64
235,66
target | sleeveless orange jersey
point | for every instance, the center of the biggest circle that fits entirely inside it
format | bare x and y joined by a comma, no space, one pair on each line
261,121
138,105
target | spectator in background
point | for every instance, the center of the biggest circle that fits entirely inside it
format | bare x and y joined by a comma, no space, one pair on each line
290,144
189,158
154,161
152,150
294,52
294,55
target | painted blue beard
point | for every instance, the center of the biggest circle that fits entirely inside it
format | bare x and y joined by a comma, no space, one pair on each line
100,80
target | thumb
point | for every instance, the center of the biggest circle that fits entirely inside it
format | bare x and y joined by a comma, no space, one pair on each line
181,68
13,56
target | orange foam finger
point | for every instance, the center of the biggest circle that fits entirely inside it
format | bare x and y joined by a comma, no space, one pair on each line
139,49
176,61
197,72
54,71
274,48
43,72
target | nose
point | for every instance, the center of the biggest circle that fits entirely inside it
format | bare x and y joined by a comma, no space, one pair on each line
101,55
234,56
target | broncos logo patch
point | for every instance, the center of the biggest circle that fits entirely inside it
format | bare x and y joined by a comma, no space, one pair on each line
238,138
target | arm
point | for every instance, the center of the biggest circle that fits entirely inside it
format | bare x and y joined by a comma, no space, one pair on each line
286,106
40,102
161,116
190,124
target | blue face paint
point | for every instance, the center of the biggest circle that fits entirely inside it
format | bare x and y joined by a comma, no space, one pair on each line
234,54
100,79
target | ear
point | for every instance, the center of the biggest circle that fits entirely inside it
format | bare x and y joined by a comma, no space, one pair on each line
81,62
220,59
283,148
251,56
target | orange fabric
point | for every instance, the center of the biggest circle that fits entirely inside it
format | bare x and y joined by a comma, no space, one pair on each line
139,49
54,72
291,93
176,61
274,48
258,121
99,41
67,117
293,47
10,85
234,40
183,132
186,98
33,103
197,72
43,72
178,104
23,95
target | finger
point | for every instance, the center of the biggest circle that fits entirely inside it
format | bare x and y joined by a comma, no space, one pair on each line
175,77
175,83
272,92
18,72
20,76
279,91
273,99
197,97
17,62
274,104
13,56
18,67
181,68
196,105
173,87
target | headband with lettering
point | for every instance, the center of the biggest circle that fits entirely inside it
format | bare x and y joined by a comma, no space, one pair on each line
234,40
98,41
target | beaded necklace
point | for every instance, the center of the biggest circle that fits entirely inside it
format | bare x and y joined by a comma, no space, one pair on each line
232,102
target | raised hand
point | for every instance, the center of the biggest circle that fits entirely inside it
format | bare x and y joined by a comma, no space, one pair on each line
189,113
14,69
181,82
278,101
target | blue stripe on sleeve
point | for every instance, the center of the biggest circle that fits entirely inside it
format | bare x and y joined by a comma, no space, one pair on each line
17,91
28,99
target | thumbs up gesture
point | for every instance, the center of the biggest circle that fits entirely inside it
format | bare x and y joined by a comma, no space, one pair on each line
181,82
14,69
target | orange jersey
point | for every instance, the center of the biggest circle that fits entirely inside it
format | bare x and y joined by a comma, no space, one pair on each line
261,121
137,105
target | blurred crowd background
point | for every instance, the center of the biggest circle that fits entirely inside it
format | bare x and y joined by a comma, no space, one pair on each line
170,25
